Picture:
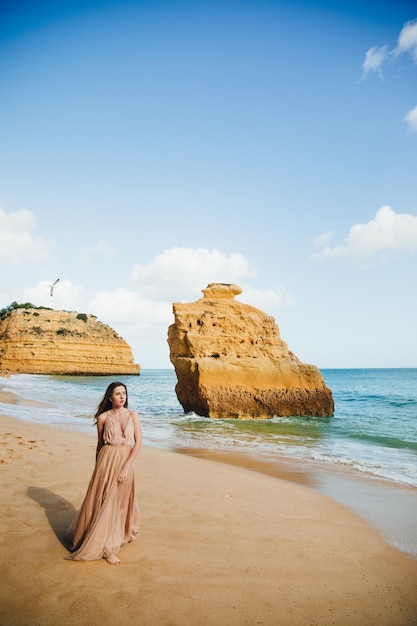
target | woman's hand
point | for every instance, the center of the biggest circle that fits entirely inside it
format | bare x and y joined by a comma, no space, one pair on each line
123,475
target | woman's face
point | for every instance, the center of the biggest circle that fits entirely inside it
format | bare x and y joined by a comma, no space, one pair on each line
118,397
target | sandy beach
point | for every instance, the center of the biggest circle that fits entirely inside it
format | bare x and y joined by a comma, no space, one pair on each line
219,545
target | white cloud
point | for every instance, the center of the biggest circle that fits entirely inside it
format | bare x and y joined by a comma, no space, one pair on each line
181,273
411,119
387,233
142,317
270,301
17,241
374,59
377,55
129,308
66,296
407,40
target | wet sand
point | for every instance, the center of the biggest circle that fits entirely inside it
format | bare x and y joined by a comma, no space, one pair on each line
389,508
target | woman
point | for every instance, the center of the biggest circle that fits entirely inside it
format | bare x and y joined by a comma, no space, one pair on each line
109,515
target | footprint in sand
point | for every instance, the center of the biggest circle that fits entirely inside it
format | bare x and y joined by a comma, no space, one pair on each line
18,445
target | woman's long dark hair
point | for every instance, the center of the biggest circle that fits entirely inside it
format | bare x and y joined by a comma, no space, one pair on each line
105,404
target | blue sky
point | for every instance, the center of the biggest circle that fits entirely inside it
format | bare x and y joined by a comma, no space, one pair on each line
149,148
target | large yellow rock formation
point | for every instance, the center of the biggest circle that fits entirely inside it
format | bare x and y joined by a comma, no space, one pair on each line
230,361
45,341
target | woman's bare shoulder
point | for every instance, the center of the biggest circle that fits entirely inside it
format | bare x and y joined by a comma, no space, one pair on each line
102,417
134,414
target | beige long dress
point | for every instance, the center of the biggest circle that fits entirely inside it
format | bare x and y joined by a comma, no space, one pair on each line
109,515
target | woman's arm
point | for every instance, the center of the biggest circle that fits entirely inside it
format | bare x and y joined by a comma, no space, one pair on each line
135,449
100,428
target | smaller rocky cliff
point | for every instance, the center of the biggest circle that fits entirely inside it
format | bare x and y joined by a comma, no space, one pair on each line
46,341
230,361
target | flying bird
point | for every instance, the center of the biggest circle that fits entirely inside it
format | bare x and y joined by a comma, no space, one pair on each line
53,286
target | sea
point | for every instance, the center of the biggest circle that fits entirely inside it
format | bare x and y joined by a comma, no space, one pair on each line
372,434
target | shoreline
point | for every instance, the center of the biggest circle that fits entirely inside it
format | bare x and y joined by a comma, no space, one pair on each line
389,508
219,544
9,397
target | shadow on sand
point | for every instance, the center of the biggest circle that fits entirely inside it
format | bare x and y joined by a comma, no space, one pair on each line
59,512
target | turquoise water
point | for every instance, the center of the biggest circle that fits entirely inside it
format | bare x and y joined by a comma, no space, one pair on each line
373,431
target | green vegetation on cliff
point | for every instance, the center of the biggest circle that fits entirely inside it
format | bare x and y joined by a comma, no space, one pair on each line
15,305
